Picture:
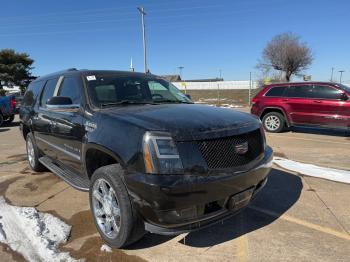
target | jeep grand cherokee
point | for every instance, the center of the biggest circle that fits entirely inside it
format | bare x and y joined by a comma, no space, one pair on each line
151,159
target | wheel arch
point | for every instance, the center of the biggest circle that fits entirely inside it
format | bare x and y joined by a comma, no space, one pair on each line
275,109
96,156
25,131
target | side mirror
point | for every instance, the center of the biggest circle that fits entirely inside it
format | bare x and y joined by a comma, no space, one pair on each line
59,101
344,97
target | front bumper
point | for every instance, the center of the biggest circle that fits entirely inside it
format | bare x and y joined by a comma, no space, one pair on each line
174,204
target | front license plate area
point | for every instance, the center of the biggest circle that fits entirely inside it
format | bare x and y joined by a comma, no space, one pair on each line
240,200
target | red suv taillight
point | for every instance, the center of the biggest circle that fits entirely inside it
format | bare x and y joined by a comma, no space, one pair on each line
13,103
254,100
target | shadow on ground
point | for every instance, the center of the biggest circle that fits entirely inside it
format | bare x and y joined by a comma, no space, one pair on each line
12,124
280,193
5,126
4,129
321,131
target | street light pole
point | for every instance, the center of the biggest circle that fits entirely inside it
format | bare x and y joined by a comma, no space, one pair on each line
341,74
180,71
142,12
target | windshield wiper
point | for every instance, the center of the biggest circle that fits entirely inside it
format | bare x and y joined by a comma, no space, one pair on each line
125,102
172,101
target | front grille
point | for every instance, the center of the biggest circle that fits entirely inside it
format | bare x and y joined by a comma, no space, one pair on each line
221,153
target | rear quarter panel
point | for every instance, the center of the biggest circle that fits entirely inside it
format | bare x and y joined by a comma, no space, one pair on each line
264,102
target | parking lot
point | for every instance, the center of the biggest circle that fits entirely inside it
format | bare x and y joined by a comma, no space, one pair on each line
295,217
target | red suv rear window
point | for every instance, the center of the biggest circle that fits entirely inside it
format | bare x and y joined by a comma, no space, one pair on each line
276,91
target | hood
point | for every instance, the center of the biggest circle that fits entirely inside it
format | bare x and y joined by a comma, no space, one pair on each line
186,121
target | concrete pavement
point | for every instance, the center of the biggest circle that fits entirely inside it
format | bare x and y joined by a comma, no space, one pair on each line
294,218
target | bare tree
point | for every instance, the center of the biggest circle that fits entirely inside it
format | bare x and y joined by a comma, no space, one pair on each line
287,54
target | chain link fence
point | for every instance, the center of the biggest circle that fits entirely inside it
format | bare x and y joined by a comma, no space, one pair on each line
225,98
224,93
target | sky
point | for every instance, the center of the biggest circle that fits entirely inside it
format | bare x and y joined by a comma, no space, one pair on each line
205,37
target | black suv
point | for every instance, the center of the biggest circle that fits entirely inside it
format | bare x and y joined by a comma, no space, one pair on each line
151,159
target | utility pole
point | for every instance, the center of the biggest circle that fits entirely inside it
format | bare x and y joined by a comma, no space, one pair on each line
250,87
341,74
332,74
220,71
142,12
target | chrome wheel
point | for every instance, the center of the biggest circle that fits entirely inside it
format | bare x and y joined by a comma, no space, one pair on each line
30,152
106,208
272,123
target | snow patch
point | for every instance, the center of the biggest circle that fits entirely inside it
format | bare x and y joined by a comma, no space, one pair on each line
230,106
34,234
338,175
105,248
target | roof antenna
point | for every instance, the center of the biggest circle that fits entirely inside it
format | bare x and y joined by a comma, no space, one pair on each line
132,69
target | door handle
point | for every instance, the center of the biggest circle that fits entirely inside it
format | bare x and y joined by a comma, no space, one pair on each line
285,100
317,101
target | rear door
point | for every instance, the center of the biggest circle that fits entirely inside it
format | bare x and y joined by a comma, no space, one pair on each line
300,106
42,120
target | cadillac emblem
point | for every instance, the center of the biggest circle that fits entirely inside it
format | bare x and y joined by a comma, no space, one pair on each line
242,148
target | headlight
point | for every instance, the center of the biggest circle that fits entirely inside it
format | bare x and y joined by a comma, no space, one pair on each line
160,154
263,136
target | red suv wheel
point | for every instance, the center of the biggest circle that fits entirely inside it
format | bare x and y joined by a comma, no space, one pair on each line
273,122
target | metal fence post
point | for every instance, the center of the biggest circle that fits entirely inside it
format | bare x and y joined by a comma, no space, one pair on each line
218,100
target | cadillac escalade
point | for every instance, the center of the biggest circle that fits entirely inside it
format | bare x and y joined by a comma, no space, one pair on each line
150,158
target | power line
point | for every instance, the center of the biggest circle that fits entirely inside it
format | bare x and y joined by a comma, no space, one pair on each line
117,12
167,24
115,20
76,23
117,9
40,23
182,26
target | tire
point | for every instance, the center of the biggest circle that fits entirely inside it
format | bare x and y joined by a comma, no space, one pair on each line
33,154
9,120
1,120
110,201
274,122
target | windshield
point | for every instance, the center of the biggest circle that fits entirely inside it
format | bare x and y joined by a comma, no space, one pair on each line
344,87
110,90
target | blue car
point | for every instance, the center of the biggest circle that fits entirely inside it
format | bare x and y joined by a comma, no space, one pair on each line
7,109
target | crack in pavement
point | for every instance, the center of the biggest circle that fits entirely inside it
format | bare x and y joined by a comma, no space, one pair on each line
52,196
327,207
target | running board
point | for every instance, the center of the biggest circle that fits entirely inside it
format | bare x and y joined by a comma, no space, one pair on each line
69,177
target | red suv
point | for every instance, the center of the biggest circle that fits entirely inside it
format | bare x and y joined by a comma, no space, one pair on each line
300,104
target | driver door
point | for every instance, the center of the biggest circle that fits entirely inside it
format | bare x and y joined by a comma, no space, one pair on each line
68,131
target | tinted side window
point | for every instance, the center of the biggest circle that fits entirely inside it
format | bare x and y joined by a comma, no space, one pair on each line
299,91
276,91
326,92
71,88
48,91
32,93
